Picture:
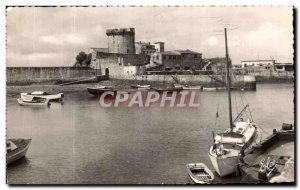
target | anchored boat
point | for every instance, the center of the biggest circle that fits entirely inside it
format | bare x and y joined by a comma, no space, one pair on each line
230,145
29,100
187,87
42,94
138,86
98,91
199,173
167,89
16,149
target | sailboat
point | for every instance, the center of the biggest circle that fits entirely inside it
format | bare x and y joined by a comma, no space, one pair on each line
229,147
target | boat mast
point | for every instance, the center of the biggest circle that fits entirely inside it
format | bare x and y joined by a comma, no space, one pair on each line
228,82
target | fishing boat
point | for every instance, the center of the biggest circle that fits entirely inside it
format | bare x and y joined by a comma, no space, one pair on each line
199,173
29,100
98,91
42,94
167,89
187,87
103,87
16,149
147,86
213,88
229,147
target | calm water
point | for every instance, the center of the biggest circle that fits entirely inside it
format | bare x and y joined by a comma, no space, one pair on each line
80,142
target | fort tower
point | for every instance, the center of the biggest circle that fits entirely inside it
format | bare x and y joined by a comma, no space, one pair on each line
121,40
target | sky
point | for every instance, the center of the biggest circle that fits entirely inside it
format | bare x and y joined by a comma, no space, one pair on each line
53,36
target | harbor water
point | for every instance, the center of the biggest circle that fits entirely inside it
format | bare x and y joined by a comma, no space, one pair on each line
79,142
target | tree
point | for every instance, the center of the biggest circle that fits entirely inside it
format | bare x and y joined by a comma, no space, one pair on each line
81,57
88,60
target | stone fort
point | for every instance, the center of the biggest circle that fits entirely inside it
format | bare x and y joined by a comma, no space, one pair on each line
121,40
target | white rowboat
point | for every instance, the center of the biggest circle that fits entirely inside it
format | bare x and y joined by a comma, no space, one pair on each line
42,94
199,173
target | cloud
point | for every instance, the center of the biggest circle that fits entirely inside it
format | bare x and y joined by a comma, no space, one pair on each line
267,33
63,39
36,59
212,41
270,41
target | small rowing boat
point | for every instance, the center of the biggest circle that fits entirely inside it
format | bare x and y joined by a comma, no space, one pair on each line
147,86
29,100
16,149
98,91
168,89
199,173
42,94
187,87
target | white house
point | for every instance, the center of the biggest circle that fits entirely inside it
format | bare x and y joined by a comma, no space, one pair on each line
132,70
258,63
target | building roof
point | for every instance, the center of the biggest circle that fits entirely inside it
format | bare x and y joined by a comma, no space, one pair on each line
159,42
169,53
105,50
216,59
187,51
178,52
143,43
259,60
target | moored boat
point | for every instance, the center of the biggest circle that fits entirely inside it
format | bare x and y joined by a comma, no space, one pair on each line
199,173
213,88
138,86
16,149
29,100
229,147
42,94
103,87
167,89
188,87
98,91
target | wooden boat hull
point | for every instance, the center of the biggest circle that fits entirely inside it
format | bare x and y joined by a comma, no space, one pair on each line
141,86
52,97
207,178
99,91
23,145
27,103
223,166
187,87
168,90
191,87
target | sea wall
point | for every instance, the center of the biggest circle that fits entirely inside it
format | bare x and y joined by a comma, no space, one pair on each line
45,74
248,82
271,75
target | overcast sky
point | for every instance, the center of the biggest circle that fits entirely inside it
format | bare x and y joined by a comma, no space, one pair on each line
54,36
